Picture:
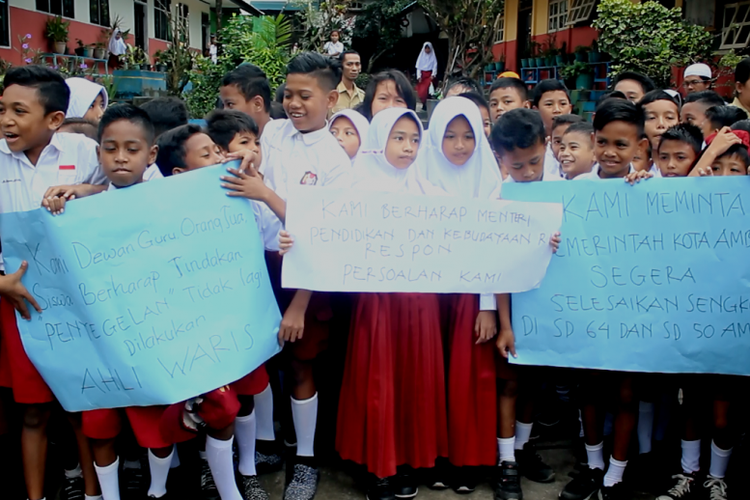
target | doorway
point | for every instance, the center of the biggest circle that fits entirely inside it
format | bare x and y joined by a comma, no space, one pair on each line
139,27
525,9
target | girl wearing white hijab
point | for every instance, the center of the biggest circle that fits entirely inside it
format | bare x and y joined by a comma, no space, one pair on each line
350,128
426,70
392,409
117,47
457,158
88,100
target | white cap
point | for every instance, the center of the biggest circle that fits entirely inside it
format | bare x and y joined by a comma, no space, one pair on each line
699,69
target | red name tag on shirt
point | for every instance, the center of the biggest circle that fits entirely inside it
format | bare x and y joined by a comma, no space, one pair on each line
67,167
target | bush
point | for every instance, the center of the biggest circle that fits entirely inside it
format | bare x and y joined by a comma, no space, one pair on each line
262,41
649,38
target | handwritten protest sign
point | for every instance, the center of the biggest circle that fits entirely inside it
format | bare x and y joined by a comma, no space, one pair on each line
150,295
357,241
653,277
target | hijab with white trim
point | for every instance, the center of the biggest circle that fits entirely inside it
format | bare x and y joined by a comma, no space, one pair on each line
427,62
373,172
359,122
117,46
83,93
480,176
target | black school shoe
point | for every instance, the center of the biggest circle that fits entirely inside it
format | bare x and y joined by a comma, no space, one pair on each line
267,457
584,485
404,484
464,480
684,487
208,486
532,467
72,489
616,492
302,481
380,489
507,482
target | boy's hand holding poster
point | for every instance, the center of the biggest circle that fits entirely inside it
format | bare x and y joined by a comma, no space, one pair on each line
653,277
150,295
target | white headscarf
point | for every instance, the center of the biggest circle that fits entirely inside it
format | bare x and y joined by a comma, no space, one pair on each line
427,62
372,172
82,95
360,123
480,176
117,46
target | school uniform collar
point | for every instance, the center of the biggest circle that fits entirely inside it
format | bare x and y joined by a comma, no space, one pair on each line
310,138
55,142
341,88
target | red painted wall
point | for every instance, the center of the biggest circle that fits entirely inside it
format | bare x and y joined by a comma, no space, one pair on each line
572,38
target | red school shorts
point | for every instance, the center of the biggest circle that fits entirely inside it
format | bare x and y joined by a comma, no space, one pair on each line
16,369
107,424
253,383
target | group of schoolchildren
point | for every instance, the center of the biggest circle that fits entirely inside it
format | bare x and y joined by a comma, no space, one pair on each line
428,396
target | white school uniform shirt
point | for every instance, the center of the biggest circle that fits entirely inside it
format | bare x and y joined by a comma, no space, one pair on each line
269,132
311,159
67,159
152,172
594,174
551,165
333,48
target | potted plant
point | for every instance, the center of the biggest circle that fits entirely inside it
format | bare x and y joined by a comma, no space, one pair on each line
100,52
56,31
81,47
581,52
595,56
500,64
580,72
140,59
159,61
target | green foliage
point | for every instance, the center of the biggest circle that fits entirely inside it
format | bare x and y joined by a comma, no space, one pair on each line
649,38
178,57
318,19
380,25
574,69
262,41
56,30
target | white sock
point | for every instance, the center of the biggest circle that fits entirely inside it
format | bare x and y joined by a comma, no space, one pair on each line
175,458
264,415
523,433
92,497
595,455
505,450
244,433
691,456
719,461
77,472
615,472
108,480
219,456
159,468
645,426
305,417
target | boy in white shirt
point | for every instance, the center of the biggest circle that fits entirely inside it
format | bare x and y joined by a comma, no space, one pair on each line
303,152
33,159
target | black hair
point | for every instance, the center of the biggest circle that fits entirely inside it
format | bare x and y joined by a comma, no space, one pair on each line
400,81
742,125
724,116
277,111
742,71
463,81
550,85
279,97
336,31
81,126
568,119
477,99
618,110
131,113
739,150
326,70
707,97
251,81
52,91
166,113
517,129
646,83
657,95
223,125
345,53
507,82
684,132
172,147
611,94
581,127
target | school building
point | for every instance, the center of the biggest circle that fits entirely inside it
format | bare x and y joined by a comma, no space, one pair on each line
145,19
567,23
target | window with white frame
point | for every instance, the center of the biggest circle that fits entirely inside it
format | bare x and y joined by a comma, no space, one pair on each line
558,15
356,6
500,35
161,19
735,27
183,17
580,10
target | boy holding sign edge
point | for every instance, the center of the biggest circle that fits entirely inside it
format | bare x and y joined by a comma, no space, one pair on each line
33,158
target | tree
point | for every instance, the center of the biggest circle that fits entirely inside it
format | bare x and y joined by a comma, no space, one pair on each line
178,57
317,20
471,26
649,38
380,25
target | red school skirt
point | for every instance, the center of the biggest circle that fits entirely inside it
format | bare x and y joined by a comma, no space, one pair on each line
472,396
16,370
107,424
392,407
423,86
